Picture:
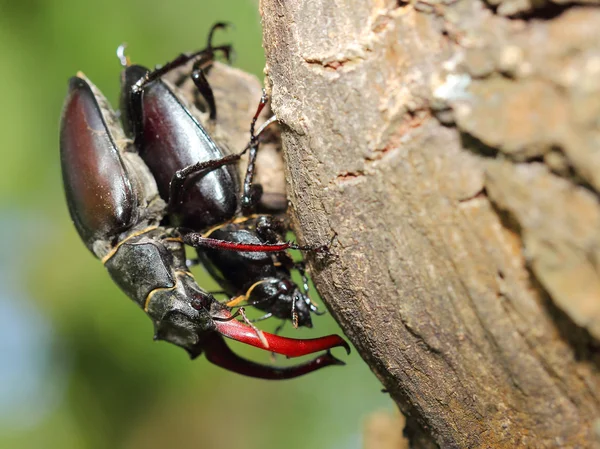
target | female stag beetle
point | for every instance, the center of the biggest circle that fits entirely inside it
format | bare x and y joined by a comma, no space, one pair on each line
195,176
114,200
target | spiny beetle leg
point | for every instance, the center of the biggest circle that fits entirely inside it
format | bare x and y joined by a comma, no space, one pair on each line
290,347
249,198
301,267
198,240
179,178
218,353
198,76
205,54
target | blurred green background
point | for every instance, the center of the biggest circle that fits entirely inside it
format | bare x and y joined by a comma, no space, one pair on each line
78,367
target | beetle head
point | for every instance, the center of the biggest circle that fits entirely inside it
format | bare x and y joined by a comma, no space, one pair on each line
182,314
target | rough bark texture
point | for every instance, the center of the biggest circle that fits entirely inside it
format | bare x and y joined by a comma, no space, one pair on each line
454,149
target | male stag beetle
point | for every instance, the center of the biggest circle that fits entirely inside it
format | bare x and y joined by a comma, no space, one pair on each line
195,176
114,198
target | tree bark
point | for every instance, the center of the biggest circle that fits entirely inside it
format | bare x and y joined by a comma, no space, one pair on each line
453,148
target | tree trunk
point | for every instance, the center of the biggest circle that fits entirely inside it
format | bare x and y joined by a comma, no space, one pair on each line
453,148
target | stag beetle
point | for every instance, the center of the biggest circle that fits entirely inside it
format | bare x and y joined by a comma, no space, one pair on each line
115,203
195,175
259,279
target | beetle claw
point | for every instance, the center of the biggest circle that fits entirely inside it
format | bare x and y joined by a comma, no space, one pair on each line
218,353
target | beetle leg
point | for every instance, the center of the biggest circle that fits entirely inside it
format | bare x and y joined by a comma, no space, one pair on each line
266,316
249,198
204,88
198,76
290,347
198,240
216,26
205,55
134,87
301,267
180,176
218,353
